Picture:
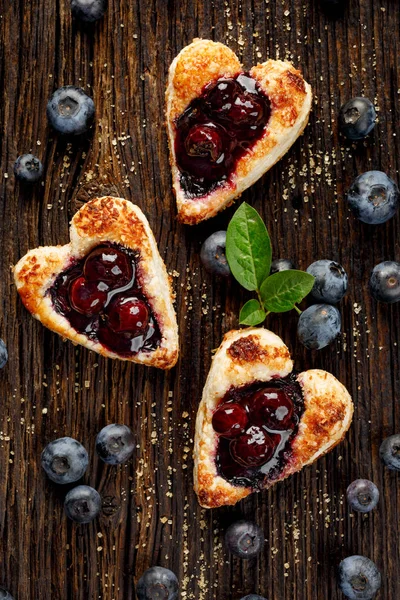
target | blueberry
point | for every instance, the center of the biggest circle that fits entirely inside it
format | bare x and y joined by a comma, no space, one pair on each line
390,452
82,504
359,578
362,495
28,168
357,118
5,595
70,110
3,354
88,10
330,283
373,197
212,254
253,597
318,326
281,264
115,444
244,539
384,283
65,460
157,583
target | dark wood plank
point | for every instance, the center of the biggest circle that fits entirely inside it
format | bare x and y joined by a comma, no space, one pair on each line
50,388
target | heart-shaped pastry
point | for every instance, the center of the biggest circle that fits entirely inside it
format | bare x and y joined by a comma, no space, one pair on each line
226,127
108,289
258,421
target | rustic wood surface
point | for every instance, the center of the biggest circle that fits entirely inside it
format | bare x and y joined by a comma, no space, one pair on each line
51,388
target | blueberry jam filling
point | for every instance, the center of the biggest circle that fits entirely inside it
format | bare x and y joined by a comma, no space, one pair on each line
216,130
256,425
101,296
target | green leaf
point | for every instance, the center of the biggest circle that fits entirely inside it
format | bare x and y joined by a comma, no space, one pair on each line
252,313
248,248
282,290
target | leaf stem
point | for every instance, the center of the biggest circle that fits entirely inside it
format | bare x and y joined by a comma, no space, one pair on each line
259,299
296,308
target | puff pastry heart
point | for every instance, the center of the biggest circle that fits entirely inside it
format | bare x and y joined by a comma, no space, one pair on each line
226,128
108,289
253,368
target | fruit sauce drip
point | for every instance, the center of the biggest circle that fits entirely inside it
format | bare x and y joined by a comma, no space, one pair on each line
256,425
101,297
216,130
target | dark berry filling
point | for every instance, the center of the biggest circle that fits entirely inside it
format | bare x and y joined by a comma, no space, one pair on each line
216,130
256,425
101,296
230,420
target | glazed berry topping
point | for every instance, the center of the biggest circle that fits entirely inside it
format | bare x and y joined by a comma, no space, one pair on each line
87,297
253,448
101,297
230,420
238,103
273,408
256,425
216,130
129,315
205,140
220,97
108,265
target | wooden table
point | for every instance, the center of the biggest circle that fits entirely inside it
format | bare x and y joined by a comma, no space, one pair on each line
51,388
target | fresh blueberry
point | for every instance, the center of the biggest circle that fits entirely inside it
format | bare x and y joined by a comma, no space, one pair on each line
253,597
115,444
319,325
384,283
212,254
357,118
5,595
88,10
244,539
157,583
3,354
362,495
28,168
330,283
281,264
390,452
82,504
373,197
70,111
65,460
359,578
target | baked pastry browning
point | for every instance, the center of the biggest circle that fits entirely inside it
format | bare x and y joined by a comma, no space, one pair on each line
194,70
104,223
252,357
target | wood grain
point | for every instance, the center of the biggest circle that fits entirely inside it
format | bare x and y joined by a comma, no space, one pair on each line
50,388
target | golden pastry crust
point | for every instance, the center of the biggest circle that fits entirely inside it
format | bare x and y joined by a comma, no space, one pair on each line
205,61
100,220
256,354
